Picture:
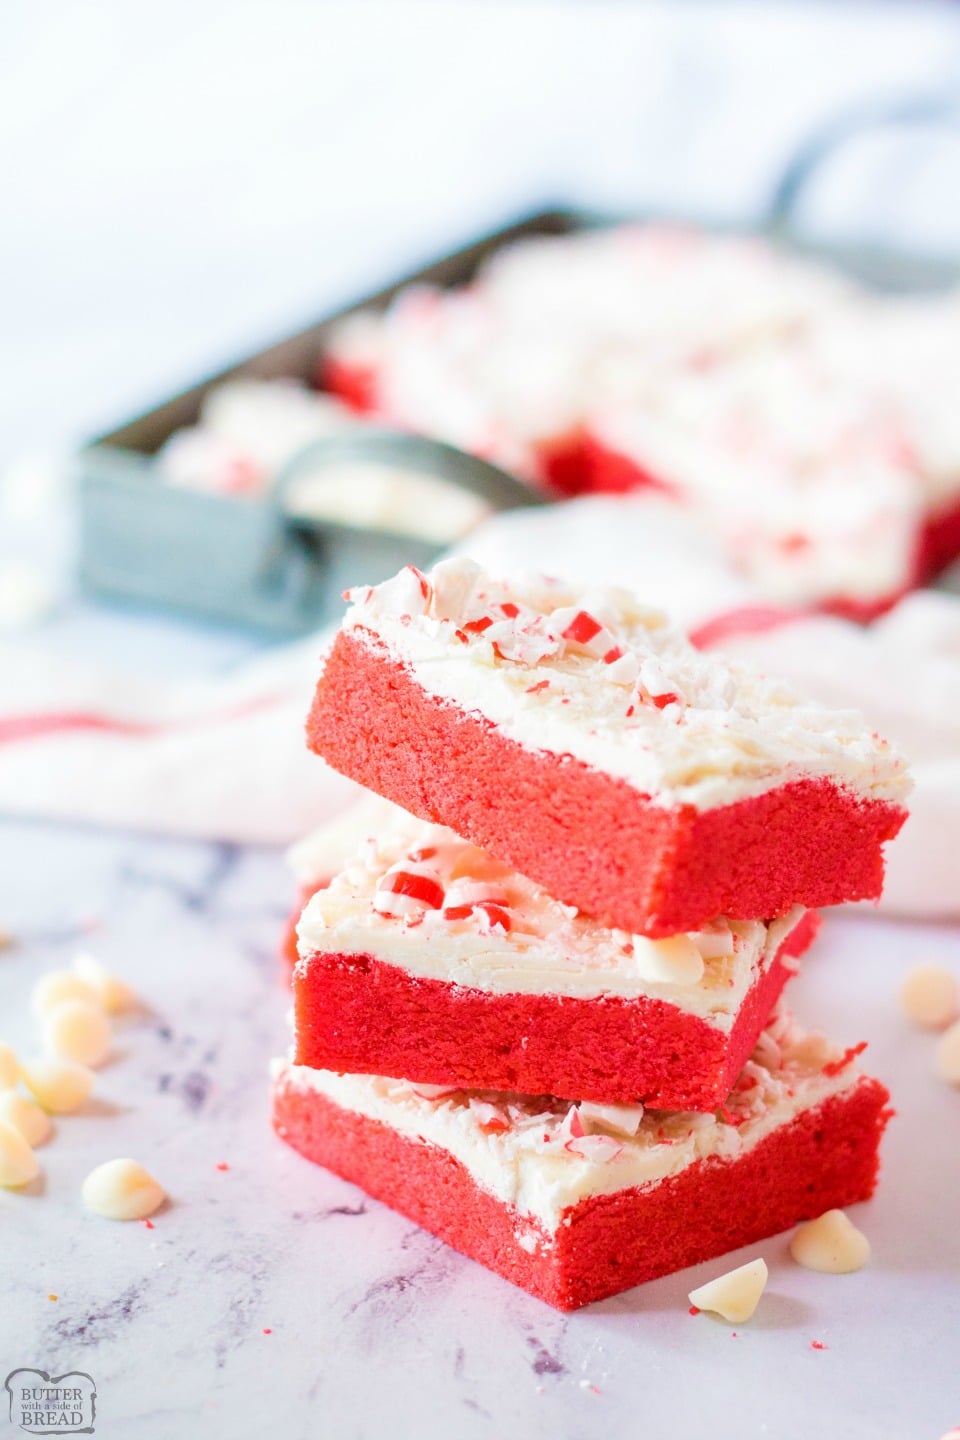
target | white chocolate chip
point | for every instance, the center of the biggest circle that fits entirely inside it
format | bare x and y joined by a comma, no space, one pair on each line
734,1295
60,1086
624,1119
673,961
929,996
831,1244
714,944
26,1116
18,1164
947,1056
9,1068
77,1031
113,994
56,988
122,1190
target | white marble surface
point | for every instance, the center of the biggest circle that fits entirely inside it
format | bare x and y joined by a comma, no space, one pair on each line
376,1328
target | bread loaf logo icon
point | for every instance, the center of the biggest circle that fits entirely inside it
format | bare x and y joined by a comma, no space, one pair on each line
42,1404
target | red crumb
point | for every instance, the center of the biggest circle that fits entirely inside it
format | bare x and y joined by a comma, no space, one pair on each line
849,1055
510,610
267,1330
147,1224
733,1334
694,1310
222,1165
818,1345
535,689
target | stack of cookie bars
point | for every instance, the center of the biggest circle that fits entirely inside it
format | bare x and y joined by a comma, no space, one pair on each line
537,1001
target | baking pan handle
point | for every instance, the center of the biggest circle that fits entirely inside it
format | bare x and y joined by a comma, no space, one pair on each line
416,454
839,130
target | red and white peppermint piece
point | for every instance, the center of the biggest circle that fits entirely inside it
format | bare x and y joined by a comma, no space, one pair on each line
453,583
407,593
571,1126
408,888
495,917
490,1117
526,642
490,917
623,669
598,1148
657,684
584,633
434,1092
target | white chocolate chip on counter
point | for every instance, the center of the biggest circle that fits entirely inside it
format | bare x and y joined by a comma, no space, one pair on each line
674,961
122,1190
18,1164
734,1295
26,1116
56,988
929,996
60,1086
831,1244
947,1055
9,1068
112,993
77,1031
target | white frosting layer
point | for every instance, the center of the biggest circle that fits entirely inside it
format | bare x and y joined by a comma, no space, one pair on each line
636,701
544,1156
548,948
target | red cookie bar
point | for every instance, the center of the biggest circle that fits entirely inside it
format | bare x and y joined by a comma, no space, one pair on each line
579,738
578,1202
426,959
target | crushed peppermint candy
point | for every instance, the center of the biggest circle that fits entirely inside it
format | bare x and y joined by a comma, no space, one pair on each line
603,1134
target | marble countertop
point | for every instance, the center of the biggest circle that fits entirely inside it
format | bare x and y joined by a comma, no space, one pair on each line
272,1298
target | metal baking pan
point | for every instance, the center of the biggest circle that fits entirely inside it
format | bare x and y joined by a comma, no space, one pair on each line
248,561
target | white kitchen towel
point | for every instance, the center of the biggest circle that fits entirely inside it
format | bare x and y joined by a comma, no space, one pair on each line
226,758
222,758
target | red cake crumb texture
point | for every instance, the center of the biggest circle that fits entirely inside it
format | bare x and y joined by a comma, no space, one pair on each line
426,959
575,1203
648,785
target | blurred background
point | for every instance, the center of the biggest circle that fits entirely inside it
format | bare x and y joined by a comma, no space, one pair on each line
185,182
